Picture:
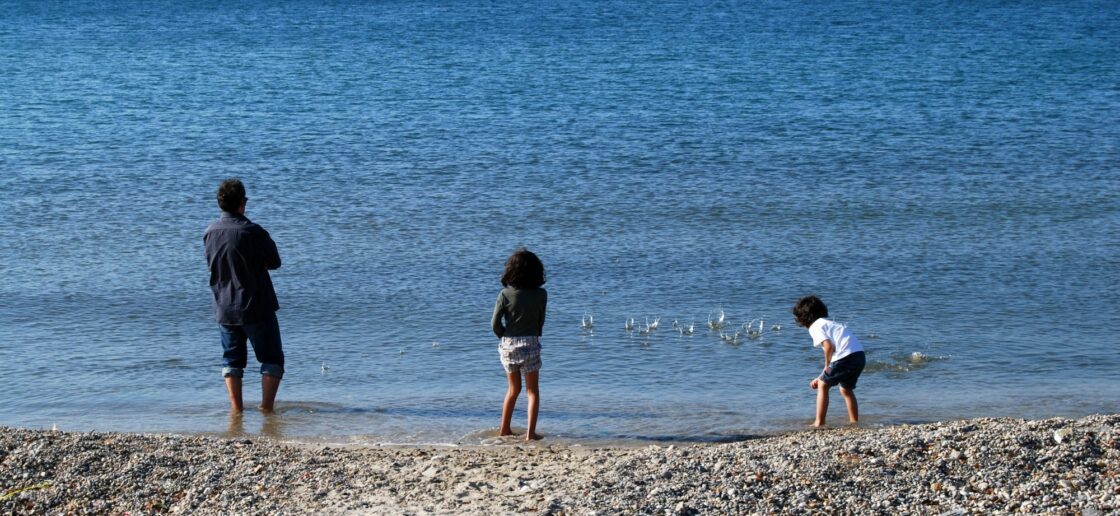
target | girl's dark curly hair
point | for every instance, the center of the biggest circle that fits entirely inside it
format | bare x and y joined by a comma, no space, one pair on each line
523,270
808,309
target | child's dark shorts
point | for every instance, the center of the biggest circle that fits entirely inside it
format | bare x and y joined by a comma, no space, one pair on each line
845,371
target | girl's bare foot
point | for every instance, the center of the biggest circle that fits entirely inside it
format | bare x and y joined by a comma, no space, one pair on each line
533,437
504,433
817,425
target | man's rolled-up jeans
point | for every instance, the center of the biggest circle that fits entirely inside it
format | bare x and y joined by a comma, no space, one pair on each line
264,335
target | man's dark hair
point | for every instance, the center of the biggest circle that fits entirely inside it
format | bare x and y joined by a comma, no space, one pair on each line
808,309
523,270
231,195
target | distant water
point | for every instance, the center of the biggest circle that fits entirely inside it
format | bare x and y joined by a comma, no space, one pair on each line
945,175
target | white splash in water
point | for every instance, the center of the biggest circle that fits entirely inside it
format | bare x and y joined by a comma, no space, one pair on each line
730,338
719,323
752,332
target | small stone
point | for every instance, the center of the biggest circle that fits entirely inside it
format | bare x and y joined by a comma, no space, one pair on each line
1062,435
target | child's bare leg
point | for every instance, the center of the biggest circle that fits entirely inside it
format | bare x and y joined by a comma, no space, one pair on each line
853,406
510,401
532,392
822,403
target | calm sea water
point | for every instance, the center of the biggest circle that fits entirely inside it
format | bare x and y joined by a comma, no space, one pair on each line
945,175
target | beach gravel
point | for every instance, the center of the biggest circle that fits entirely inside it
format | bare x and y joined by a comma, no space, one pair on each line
979,466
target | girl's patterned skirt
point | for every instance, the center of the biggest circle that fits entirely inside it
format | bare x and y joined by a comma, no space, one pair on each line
520,354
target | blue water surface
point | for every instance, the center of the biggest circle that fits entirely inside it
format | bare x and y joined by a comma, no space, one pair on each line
943,174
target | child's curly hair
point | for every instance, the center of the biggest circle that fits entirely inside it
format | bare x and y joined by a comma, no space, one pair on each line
808,309
523,270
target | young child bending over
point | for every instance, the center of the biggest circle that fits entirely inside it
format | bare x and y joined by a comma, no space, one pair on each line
517,321
843,356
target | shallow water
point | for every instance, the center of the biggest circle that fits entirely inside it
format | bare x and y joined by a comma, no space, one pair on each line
943,175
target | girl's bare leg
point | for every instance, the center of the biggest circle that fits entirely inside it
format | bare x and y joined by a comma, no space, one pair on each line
853,405
510,401
533,394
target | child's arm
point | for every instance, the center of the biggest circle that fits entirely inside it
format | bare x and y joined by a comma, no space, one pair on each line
496,319
828,350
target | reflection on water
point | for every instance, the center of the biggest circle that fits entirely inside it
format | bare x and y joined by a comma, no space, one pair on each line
271,425
236,426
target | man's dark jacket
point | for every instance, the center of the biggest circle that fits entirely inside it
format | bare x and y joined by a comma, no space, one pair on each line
240,254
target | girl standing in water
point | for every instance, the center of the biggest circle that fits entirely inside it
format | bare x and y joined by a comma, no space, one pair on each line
517,321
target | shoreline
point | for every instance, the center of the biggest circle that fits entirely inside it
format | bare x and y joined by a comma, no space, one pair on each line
1007,465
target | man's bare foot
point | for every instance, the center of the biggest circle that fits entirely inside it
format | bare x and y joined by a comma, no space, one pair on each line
817,425
504,433
533,437
262,408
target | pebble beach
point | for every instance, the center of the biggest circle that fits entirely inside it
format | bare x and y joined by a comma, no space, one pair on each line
960,467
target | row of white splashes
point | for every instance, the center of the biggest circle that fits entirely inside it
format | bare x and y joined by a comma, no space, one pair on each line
752,329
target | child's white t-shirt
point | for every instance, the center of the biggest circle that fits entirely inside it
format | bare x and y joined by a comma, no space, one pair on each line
843,342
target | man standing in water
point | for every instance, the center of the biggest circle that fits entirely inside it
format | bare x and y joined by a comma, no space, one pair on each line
240,254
